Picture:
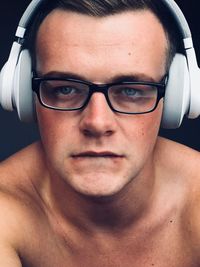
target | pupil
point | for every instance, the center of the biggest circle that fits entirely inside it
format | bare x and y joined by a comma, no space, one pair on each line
129,91
65,90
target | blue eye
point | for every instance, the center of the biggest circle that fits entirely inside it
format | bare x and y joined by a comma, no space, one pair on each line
130,91
65,90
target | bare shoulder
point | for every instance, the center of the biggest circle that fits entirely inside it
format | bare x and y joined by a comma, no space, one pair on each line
20,226
21,210
21,168
19,175
9,232
181,165
171,151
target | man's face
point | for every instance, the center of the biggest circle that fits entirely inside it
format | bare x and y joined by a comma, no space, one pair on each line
96,151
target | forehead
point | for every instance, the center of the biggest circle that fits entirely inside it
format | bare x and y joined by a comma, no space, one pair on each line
69,40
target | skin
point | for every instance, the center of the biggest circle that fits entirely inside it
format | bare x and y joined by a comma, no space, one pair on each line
101,188
97,128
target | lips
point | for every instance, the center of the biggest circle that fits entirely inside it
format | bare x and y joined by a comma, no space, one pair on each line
94,154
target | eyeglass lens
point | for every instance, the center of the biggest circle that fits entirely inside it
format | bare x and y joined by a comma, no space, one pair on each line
135,98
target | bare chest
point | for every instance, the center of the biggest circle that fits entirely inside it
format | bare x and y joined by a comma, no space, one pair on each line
166,249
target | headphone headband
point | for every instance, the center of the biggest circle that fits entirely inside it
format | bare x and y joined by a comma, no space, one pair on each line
179,18
28,16
30,12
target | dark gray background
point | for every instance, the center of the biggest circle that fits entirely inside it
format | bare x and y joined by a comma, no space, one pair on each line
15,135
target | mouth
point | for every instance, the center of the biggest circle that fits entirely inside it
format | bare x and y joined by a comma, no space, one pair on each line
94,154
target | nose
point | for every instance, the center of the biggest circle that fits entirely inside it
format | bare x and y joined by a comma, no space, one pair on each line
97,118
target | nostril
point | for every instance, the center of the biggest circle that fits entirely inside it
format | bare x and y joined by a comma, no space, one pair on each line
93,133
108,133
87,133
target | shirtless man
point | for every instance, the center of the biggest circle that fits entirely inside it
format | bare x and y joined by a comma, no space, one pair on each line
100,189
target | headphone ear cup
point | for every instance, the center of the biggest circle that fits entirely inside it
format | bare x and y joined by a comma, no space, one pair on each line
177,94
5,88
7,78
194,110
23,95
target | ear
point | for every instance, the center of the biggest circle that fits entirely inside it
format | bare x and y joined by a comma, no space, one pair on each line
177,95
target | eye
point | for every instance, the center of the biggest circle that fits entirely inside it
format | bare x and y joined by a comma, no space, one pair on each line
127,91
65,90
130,91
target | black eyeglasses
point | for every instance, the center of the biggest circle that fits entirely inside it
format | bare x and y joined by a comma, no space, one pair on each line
124,97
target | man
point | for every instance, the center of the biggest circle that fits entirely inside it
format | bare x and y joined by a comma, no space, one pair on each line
101,188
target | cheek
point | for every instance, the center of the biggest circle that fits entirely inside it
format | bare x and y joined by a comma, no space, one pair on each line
143,129
151,124
55,128
45,124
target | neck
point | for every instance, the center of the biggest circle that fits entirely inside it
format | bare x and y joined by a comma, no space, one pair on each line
111,213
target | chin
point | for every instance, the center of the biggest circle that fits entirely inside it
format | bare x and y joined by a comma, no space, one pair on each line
99,189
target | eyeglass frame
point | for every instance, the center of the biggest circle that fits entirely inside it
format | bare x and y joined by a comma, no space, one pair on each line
99,88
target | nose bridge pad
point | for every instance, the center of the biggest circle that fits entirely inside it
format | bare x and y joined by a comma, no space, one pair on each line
96,119
99,88
95,102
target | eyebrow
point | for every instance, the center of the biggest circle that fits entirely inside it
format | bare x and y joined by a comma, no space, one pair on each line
115,79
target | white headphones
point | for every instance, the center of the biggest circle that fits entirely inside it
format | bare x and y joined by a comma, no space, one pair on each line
182,95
